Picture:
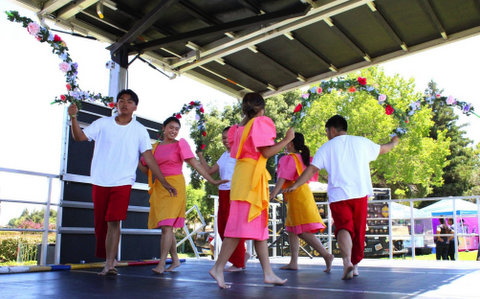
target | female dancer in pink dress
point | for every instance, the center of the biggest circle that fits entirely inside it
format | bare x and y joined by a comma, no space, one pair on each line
167,212
252,143
303,219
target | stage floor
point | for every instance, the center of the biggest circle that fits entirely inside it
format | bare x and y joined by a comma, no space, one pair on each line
378,279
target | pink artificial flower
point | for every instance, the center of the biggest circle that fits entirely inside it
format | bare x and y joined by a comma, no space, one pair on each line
362,81
69,86
204,134
64,66
111,104
63,97
451,100
57,38
319,90
298,108
33,28
438,95
352,89
178,116
389,110
305,96
382,98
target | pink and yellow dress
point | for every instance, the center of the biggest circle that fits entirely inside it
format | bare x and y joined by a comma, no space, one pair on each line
249,196
302,212
166,210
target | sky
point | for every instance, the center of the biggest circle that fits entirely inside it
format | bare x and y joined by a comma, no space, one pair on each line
31,129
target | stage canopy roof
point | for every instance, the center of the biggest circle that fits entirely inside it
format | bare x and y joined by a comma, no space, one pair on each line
267,46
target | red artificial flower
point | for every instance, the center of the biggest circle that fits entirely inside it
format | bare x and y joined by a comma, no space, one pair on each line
57,38
407,121
192,103
202,147
352,89
362,81
298,108
63,97
69,87
201,110
389,110
178,116
204,133
111,104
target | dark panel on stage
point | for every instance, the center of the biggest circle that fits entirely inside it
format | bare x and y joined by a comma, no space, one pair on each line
73,191
140,247
77,248
136,220
75,217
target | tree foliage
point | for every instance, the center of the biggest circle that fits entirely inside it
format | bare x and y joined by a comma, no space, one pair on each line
33,219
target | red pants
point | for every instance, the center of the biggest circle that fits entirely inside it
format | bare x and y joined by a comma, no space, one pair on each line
238,256
109,204
351,215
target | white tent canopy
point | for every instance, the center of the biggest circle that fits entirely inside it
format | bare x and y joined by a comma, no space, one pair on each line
446,207
399,211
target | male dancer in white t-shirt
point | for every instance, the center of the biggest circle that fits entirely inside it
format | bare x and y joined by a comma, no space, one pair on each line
119,141
346,159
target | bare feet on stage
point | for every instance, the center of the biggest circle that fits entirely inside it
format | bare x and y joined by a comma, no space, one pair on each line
328,263
173,265
274,279
290,266
232,268
109,269
218,276
347,270
160,268
355,270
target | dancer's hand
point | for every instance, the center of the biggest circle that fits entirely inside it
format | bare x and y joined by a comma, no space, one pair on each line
219,182
170,189
72,109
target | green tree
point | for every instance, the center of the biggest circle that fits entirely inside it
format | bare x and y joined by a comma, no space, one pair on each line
33,219
457,176
416,165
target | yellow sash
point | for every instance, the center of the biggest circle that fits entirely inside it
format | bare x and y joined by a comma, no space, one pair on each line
258,195
301,206
150,174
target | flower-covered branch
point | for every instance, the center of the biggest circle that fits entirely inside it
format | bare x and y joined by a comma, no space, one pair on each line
201,132
74,94
360,85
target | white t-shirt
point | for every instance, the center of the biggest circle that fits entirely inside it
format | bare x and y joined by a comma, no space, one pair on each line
226,166
346,159
117,150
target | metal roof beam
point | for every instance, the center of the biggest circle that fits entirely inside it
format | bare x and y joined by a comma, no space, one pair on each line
319,56
340,33
250,77
433,17
276,63
51,6
142,25
74,8
387,26
216,49
300,9
253,6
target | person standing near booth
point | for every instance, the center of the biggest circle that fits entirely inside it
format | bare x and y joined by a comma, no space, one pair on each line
119,141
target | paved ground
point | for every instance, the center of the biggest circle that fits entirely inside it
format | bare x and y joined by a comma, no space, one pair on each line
378,279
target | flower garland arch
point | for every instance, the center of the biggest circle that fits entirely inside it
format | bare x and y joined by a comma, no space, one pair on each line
201,133
74,94
360,85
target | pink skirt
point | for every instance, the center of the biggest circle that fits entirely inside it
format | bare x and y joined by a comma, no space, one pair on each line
308,227
239,227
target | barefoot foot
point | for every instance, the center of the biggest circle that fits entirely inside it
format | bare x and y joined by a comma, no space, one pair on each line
160,268
233,269
290,267
347,272
355,270
328,263
274,279
218,276
173,265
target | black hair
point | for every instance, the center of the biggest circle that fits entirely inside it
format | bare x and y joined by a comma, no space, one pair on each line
442,221
226,129
130,92
338,122
252,103
169,120
299,145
